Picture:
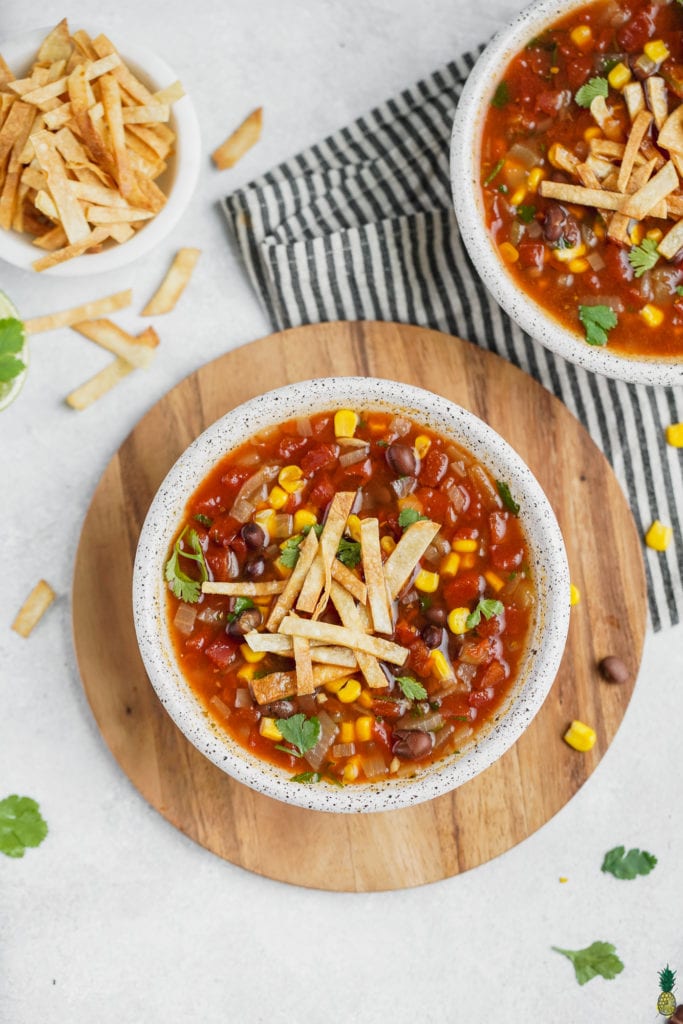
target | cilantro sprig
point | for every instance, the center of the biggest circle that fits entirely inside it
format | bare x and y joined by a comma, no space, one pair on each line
411,689
407,516
486,606
593,88
303,733
597,959
11,343
348,553
21,825
289,553
526,213
628,865
501,96
241,605
643,257
183,586
506,497
597,320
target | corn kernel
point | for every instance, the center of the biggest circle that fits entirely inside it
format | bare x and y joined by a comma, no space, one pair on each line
450,564
422,445
351,770
426,582
592,133
345,423
253,657
410,502
656,234
440,665
283,570
457,620
599,230
268,728
652,315
619,76
363,728
465,544
508,252
494,581
579,266
636,234
518,196
468,560
536,176
394,765
336,684
365,699
387,544
567,255
246,673
264,519
563,879
674,435
302,519
349,692
581,36
291,479
574,595
277,497
656,50
658,536
353,526
347,733
580,736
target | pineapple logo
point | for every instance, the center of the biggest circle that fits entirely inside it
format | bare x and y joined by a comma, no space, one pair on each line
666,1003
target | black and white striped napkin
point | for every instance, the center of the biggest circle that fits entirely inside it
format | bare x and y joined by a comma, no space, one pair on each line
360,227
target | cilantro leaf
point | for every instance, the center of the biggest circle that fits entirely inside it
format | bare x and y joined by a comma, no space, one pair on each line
495,171
407,516
411,688
526,213
10,367
627,865
303,733
501,96
241,605
643,257
488,607
21,825
204,520
588,92
597,959
597,320
306,777
679,288
183,586
348,553
289,554
506,497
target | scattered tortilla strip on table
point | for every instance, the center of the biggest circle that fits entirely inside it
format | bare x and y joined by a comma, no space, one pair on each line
173,285
33,608
138,350
99,385
241,140
77,314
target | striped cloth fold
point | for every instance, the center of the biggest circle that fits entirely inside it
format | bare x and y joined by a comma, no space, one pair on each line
360,227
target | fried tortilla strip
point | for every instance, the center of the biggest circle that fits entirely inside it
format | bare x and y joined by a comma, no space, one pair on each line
241,140
152,113
6,75
606,147
638,129
18,121
672,241
99,385
52,89
71,214
671,134
169,94
335,524
580,195
378,598
52,239
126,79
75,315
304,666
33,608
275,686
407,553
116,214
236,588
634,98
287,599
349,581
606,119
56,45
113,114
356,618
276,643
646,198
70,251
138,351
386,650
81,97
8,198
173,285
657,100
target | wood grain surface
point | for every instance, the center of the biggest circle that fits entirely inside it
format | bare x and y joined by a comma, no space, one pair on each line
483,818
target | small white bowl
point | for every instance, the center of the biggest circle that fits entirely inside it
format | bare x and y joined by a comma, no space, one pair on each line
469,209
178,181
548,565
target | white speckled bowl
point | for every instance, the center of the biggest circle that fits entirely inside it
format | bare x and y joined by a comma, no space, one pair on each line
178,181
548,563
469,210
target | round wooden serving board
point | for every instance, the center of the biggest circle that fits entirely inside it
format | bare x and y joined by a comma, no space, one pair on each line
365,852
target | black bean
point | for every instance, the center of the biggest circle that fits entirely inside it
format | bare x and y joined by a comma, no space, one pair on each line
253,536
613,670
278,709
436,615
247,620
559,224
401,460
411,744
254,568
432,636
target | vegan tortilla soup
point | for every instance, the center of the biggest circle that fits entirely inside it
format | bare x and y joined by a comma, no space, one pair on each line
582,170
349,596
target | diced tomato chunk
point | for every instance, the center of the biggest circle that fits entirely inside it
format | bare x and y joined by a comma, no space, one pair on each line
550,101
480,697
515,622
490,627
360,471
323,456
579,69
506,556
418,659
218,561
222,652
387,708
434,468
498,524
224,529
404,633
493,675
290,447
200,637
436,504
467,586
635,33
381,733
322,492
531,254
235,476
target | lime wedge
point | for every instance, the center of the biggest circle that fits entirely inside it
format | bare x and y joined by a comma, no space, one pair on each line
10,389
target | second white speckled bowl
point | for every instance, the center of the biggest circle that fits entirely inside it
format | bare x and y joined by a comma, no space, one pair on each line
548,566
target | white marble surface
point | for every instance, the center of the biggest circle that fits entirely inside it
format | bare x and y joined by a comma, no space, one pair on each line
119,918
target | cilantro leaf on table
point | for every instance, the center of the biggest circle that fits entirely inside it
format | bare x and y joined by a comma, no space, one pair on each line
501,96
348,553
11,343
597,320
183,586
411,688
628,865
597,959
643,257
407,516
506,497
21,825
486,606
303,733
593,88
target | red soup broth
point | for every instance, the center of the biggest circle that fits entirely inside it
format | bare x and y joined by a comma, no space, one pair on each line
461,617
570,257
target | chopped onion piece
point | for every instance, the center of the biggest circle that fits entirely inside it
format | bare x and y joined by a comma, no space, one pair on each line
352,442
343,749
220,706
233,565
282,525
403,486
211,615
242,510
426,723
458,497
596,261
248,459
443,735
489,493
303,426
184,618
524,155
243,698
465,673
328,730
399,426
373,762
350,458
264,475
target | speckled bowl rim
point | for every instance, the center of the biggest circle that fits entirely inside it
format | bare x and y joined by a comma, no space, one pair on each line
465,161
548,562
181,177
